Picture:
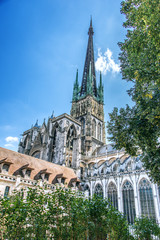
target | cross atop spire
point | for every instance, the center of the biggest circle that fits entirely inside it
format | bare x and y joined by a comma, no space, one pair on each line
89,60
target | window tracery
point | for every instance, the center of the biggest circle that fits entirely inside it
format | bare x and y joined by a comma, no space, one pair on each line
128,202
99,190
112,195
146,199
70,137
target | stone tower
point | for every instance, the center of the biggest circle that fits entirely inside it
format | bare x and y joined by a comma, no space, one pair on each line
87,103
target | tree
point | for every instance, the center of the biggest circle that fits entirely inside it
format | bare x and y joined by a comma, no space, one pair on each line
145,229
59,214
137,128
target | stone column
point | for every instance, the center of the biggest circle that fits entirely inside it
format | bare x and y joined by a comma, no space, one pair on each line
136,196
156,202
119,194
104,188
91,189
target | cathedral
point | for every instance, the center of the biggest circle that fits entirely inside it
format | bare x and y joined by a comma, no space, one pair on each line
77,141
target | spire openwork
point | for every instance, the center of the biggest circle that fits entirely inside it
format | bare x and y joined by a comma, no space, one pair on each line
89,60
88,86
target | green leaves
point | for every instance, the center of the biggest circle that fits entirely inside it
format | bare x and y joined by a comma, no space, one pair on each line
61,214
64,214
145,228
138,128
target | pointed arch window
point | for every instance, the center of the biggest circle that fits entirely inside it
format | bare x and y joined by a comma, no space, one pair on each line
128,202
36,154
87,189
94,128
53,142
70,137
6,192
83,126
99,190
112,195
146,199
6,167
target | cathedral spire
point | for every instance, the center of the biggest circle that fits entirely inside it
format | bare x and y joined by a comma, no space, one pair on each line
76,89
89,59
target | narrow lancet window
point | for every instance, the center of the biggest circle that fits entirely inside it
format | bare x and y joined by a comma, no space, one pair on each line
128,202
146,199
112,195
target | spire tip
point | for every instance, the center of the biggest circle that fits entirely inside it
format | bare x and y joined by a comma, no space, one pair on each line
91,21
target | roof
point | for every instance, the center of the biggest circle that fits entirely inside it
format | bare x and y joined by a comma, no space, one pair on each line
19,160
69,117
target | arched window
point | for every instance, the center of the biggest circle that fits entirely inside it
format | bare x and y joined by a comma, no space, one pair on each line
98,190
83,126
6,192
6,167
103,170
70,137
128,202
115,167
129,167
53,141
112,195
87,189
36,154
146,199
94,128
99,132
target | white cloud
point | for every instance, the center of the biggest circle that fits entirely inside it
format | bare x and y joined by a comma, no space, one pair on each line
11,139
105,62
8,145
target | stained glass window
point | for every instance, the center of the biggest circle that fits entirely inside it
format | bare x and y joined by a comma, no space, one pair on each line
128,202
99,190
146,199
6,191
112,195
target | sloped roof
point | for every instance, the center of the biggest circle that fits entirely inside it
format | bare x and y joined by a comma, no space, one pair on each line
18,160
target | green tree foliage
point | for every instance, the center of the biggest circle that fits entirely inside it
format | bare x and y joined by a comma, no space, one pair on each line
145,229
137,129
40,214
60,214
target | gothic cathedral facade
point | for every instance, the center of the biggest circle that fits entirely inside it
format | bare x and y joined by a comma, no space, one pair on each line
78,141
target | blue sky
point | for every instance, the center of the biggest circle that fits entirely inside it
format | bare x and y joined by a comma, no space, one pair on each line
42,43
